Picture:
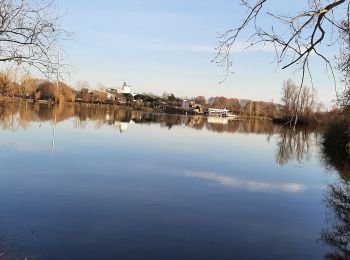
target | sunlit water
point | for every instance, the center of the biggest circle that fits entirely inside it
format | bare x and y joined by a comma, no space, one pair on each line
122,185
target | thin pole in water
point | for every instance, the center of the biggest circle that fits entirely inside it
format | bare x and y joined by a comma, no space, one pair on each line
55,119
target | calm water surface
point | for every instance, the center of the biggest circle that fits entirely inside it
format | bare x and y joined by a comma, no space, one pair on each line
132,185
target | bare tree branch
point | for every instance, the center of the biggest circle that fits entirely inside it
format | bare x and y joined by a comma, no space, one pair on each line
295,39
30,34
305,31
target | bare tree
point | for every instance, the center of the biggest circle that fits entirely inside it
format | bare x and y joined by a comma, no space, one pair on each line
344,68
297,104
6,83
30,34
27,86
344,57
294,37
289,98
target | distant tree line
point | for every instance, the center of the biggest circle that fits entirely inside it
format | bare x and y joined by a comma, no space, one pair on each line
294,101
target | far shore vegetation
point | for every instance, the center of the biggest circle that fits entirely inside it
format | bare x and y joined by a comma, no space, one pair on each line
29,89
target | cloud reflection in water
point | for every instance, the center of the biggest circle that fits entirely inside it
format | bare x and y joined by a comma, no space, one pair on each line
254,186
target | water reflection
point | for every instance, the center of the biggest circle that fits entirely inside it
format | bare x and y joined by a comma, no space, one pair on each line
19,116
336,234
296,145
254,186
291,145
210,178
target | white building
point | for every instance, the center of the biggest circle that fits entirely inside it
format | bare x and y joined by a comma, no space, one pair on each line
185,104
126,89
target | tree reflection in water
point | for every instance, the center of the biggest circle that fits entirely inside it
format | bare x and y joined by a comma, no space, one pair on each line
337,231
19,116
295,145
299,146
336,234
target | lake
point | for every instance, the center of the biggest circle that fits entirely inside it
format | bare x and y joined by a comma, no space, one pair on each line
98,183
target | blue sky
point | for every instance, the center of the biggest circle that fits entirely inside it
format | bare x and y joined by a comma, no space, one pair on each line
167,46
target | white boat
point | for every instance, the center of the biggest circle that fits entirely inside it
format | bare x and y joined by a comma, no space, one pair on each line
216,112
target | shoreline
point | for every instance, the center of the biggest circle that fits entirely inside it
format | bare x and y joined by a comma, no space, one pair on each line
167,110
